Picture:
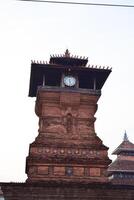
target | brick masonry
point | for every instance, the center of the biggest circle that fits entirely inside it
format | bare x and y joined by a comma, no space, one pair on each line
62,191
67,147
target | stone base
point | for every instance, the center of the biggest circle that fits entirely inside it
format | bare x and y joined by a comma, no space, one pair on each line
66,191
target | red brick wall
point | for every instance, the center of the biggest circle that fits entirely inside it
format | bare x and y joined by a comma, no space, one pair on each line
61,191
66,138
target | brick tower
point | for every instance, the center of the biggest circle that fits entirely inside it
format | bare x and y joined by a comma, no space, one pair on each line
67,160
67,147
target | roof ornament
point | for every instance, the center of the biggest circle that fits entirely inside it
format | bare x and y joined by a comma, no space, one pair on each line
125,137
67,53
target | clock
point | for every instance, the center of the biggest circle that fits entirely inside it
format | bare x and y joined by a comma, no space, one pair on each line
69,81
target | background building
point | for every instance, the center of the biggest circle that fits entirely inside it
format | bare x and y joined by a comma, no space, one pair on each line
121,171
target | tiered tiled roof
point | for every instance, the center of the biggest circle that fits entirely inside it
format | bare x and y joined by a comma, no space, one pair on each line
59,65
122,169
122,166
68,59
126,145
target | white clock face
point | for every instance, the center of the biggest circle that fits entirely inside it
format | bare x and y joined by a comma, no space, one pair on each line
69,81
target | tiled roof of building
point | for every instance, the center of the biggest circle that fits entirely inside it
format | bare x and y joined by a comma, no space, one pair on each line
89,76
68,59
121,171
121,166
126,145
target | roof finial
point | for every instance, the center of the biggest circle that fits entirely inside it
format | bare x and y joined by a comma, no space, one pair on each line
67,54
125,136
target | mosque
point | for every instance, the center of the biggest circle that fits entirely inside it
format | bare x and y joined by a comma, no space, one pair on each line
67,160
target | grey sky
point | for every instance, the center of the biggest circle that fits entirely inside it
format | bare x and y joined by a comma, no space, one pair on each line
34,31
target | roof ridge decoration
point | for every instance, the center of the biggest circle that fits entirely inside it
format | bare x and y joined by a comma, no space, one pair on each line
67,53
125,138
99,67
88,66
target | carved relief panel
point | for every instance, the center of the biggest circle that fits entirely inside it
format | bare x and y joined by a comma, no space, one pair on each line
64,115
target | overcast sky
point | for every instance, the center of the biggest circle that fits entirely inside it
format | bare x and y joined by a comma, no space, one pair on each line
36,30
